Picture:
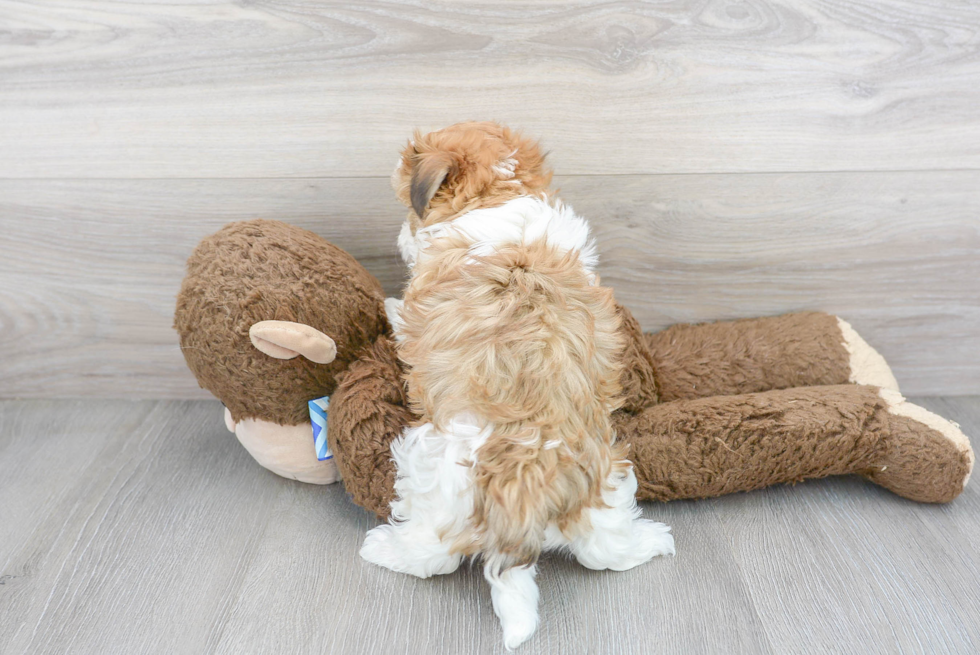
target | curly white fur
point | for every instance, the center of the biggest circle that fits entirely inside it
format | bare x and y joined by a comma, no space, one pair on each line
520,221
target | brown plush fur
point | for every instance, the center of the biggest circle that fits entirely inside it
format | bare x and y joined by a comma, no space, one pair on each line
369,410
750,441
452,171
266,270
696,447
919,463
755,440
780,352
372,411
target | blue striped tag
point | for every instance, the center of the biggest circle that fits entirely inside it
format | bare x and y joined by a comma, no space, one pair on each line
318,417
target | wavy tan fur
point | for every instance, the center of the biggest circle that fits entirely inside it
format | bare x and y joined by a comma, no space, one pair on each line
465,167
536,352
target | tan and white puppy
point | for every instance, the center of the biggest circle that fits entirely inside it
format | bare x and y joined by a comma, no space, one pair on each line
515,360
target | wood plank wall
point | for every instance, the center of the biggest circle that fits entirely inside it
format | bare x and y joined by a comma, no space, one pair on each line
736,158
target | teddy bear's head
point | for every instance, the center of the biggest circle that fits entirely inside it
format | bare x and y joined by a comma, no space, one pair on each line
270,314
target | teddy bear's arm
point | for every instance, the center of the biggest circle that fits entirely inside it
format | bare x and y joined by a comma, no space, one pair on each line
795,350
367,412
638,380
712,446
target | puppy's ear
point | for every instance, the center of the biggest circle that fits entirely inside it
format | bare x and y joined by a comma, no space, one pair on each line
428,174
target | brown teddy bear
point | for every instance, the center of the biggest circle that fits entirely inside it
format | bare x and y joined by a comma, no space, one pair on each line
271,316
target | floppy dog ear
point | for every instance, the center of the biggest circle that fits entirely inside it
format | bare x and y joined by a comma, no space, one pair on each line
428,175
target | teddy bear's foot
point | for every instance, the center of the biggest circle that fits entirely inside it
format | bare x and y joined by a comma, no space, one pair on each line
866,364
927,458
286,450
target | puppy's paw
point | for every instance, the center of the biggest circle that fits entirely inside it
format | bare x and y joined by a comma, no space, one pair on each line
647,540
381,547
652,539
412,554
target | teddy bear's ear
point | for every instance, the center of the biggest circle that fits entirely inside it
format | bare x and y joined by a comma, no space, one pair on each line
428,174
286,340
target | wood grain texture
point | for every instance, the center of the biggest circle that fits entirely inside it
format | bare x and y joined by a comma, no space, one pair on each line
145,527
288,88
89,269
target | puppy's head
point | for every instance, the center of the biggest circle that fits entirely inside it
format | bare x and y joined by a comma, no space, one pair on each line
464,167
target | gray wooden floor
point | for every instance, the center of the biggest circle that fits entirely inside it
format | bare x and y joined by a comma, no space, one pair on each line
132,527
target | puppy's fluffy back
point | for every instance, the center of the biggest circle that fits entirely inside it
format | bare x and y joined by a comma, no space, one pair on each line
524,339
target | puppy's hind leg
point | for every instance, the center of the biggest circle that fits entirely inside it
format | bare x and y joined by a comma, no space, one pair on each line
434,501
617,538
515,601
409,547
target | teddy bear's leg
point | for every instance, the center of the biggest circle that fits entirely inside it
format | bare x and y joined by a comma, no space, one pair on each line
713,446
928,458
286,450
368,411
779,352
866,364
